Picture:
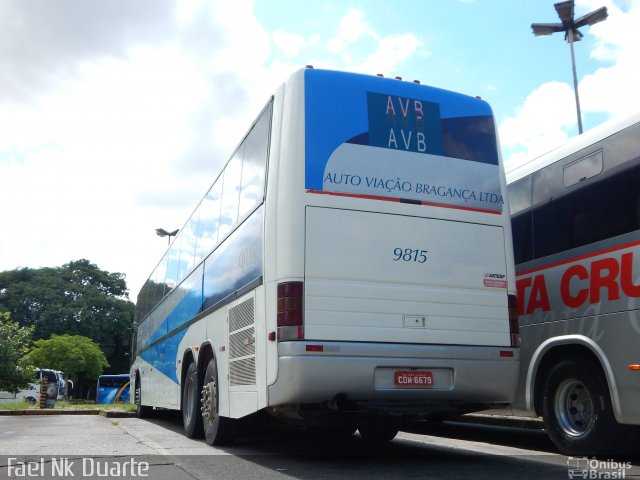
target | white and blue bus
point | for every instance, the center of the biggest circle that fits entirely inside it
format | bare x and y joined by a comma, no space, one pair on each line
351,266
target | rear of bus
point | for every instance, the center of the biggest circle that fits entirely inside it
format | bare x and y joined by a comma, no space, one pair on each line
113,389
391,285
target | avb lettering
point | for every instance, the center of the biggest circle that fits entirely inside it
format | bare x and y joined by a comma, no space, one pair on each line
408,141
404,124
406,106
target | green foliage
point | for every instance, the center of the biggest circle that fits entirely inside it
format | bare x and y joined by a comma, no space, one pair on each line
75,299
15,373
75,355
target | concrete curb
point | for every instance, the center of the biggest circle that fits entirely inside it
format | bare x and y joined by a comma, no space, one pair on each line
534,423
69,411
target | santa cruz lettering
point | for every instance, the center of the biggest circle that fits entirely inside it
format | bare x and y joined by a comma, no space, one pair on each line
605,279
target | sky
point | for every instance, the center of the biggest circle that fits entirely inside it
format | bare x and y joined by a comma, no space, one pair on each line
115,116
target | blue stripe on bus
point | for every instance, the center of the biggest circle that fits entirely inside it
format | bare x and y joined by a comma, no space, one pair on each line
234,264
163,355
337,110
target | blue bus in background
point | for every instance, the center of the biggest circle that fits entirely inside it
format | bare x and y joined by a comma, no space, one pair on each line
113,388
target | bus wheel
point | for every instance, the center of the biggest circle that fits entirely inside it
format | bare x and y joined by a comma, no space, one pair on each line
191,414
217,430
142,411
577,409
378,430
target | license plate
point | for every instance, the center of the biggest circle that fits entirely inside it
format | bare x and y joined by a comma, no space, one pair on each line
414,379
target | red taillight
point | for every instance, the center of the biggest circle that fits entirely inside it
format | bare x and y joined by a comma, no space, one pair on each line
290,308
514,328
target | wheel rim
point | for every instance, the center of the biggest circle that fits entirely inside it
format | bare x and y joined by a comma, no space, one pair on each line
574,408
209,407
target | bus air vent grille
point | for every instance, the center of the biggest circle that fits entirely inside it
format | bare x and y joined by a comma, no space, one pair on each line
242,372
241,316
242,348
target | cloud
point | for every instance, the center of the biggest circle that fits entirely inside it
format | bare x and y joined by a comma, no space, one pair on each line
539,124
116,116
116,120
391,52
351,28
45,40
548,113
360,48
289,44
613,89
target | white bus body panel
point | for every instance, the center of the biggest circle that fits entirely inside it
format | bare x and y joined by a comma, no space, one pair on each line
354,289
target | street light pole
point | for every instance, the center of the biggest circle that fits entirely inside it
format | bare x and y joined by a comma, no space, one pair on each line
570,28
161,232
575,81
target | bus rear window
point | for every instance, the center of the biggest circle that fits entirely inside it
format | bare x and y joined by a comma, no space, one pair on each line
406,143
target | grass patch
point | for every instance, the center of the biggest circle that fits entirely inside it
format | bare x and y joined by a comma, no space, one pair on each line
74,405
121,407
17,406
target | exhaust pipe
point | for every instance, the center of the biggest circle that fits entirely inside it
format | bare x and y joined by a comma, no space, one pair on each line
341,403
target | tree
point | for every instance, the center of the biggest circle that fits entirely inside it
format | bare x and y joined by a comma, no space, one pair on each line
15,374
79,357
76,299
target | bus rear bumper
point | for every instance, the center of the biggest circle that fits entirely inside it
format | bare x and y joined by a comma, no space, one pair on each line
375,376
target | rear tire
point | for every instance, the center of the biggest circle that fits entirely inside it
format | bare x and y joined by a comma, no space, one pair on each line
142,411
191,406
335,431
218,430
577,410
378,430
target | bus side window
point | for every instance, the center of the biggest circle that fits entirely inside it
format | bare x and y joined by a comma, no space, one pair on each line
520,206
254,164
230,194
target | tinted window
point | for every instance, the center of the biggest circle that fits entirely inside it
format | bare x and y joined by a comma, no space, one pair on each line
173,262
209,221
254,164
583,168
520,198
522,236
188,246
547,183
607,208
520,195
145,297
159,277
230,194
